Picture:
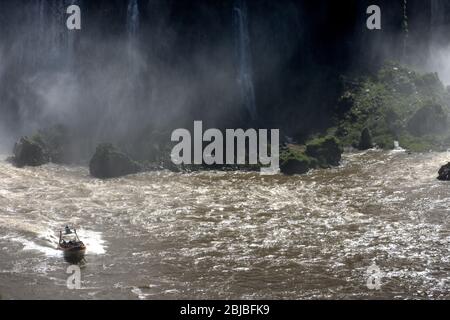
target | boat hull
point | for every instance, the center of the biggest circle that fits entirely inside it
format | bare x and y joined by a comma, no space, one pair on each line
74,255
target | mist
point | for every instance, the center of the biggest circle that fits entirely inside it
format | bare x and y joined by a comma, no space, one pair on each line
139,69
108,85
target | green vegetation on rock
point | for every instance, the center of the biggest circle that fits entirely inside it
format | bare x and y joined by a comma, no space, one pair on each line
47,145
327,151
431,118
365,142
293,160
321,152
29,152
396,104
108,162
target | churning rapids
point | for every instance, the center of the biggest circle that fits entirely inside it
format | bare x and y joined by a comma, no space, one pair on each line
232,235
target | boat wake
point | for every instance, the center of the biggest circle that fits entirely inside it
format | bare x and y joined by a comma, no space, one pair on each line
47,242
93,241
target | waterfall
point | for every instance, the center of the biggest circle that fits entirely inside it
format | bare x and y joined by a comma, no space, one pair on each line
71,36
243,56
405,28
32,47
54,43
132,25
133,58
437,19
439,47
397,147
132,18
40,38
57,31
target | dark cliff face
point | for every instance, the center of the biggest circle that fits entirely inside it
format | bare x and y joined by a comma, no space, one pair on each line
307,45
187,49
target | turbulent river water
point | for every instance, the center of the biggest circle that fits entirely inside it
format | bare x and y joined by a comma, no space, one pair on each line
224,235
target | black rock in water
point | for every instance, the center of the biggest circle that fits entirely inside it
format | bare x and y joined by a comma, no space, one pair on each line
365,142
444,173
56,141
326,150
294,166
28,152
108,162
51,144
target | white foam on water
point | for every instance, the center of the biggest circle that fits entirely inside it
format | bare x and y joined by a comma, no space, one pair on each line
45,242
139,293
397,147
93,241
32,246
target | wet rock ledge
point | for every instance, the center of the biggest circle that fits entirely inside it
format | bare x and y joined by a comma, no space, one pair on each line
109,162
444,173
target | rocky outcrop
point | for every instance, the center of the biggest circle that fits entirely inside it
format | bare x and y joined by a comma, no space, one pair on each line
47,145
293,160
29,152
397,103
57,142
295,166
444,173
319,153
108,162
365,141
430,119
327,151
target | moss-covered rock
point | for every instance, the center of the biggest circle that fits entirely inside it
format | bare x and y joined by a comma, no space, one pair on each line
385,141
327,151
395,104
47,145
295,166
429,119
108,162
29,152
57,142
294,161
365,141
322,152
444,173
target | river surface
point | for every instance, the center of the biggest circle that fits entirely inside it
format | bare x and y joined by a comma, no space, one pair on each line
222,235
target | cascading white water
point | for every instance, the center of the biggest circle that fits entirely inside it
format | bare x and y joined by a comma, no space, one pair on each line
132,25
243,56
132,18
52,42
57,31
34,44
439,45
437,18
71,36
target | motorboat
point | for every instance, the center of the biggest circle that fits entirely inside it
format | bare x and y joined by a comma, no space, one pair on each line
71,245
